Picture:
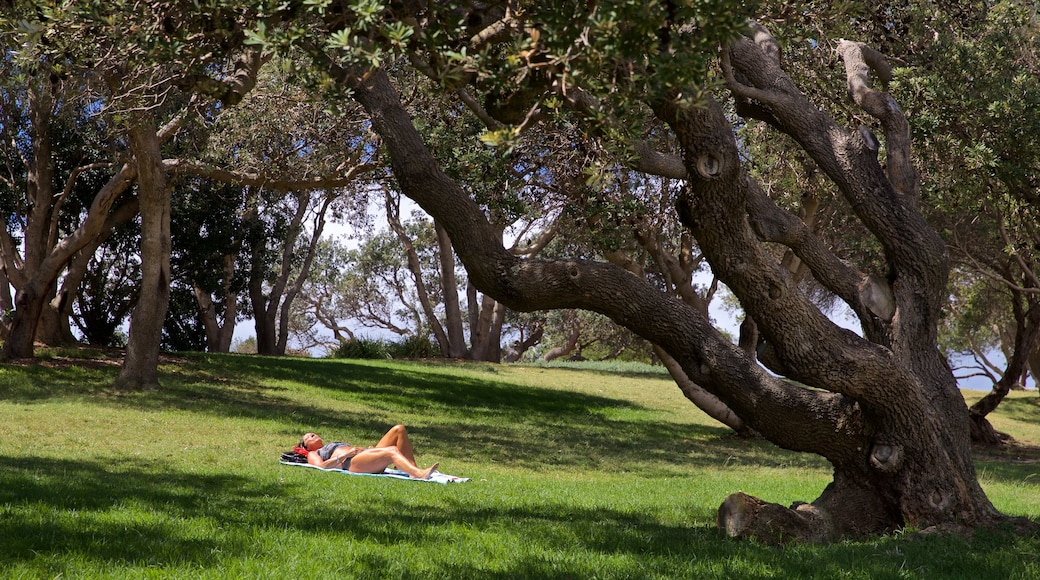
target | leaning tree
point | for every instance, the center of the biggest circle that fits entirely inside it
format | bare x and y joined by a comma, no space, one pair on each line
883,408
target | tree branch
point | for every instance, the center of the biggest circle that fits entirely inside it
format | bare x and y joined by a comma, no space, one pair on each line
860,59
706,356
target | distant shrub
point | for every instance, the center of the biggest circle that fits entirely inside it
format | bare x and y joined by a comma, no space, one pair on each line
415,347
364,348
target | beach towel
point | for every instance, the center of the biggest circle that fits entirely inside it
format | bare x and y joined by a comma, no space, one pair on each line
435,477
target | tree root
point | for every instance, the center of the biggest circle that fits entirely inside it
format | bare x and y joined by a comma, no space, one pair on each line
745,516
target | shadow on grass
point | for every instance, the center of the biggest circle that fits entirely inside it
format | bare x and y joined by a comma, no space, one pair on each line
59,508
480,419
151,518
474,418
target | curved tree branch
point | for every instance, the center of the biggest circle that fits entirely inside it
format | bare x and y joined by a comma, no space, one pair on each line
706,356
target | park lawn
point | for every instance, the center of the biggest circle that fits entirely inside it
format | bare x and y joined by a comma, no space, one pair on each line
574,474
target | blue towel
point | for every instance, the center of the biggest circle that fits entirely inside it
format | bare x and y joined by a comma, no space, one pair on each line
435,477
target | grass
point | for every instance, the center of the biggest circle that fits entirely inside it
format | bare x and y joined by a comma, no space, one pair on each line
575,474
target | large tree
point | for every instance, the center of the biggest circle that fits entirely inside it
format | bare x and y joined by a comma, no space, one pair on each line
883,408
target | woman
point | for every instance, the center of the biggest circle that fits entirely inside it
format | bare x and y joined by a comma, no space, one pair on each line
394,448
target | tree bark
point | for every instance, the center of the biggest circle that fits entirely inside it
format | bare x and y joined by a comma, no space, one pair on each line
140,368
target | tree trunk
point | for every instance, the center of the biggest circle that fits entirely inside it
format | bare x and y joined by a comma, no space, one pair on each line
219,330
486,335
53,328
33,286
450,289
493,352
28,305
6,299
571,343
141,366
393,209
525,344
702,399
57,329
317,227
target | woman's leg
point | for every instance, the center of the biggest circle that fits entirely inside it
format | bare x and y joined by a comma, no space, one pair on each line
376,459
397,437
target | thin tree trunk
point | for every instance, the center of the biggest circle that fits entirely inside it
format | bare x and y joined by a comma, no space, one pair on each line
415,267
6,299
494,342
572,338
480,335
304,270
705,401
525,344
450,288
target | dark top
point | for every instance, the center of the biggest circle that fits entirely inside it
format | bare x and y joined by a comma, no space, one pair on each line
326,451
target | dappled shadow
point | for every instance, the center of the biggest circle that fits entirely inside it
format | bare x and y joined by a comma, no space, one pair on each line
86,510
84,491
479,420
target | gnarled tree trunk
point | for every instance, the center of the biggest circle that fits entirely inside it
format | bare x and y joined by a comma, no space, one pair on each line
884,409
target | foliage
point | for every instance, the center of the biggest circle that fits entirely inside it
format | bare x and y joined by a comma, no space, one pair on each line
107,293
409,347
363,348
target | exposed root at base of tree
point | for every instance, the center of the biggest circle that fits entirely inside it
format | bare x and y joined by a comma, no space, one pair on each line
745,517
983,433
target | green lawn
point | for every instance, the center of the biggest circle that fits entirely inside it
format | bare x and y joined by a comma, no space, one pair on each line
574,474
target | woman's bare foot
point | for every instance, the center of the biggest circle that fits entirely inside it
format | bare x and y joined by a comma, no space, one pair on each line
426,473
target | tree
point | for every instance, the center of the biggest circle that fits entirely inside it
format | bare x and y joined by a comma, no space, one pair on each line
208,262
883,408
118,65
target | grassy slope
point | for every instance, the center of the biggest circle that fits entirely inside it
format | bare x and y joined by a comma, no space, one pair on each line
575,474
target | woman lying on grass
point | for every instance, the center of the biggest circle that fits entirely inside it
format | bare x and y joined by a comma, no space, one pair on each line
394,448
